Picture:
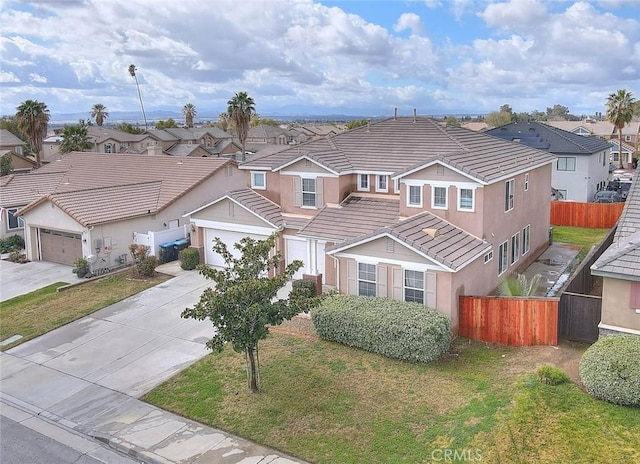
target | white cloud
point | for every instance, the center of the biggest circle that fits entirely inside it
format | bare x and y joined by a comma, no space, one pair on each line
515,14
410,21
8,77
37,78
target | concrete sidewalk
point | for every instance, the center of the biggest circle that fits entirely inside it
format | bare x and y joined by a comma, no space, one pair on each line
87,376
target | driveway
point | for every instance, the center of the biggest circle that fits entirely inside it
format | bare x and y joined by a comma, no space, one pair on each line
87,375
18,279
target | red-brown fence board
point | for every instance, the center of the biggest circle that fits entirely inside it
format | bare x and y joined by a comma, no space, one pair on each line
593,215
509,321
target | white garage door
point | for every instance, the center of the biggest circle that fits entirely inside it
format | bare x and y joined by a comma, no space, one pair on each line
230,238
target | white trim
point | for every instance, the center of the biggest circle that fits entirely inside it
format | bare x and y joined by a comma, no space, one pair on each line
526,181
431,163
433,197
377,178
396,184
506,258
473,201
360,187
490,255
618,329
513,194
308,175
409,265
208,224
235,202
304,157
253,184
411,205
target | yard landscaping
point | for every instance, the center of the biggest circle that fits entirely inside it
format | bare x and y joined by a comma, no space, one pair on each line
579,236
45,309
329,403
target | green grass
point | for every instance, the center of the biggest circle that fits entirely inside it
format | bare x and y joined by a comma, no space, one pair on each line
328,403
38,312
579,236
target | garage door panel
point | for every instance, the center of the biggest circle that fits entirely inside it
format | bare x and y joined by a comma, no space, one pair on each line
60,247
296,249
229,238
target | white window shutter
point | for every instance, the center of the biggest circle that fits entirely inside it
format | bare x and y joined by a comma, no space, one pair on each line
398,284
430,289
381,281
297,192
319,193
352,288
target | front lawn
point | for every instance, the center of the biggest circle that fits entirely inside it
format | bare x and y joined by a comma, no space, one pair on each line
329,403
45,309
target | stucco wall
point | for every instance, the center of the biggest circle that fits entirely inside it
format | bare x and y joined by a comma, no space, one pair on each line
616,299
228,211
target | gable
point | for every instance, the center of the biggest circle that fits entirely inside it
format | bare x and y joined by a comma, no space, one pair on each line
49,216
227,210
438,172
305,166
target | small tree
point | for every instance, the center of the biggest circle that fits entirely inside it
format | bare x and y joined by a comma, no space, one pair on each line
243,302
519,285
6,165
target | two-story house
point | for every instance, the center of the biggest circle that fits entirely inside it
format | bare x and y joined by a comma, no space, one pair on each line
405,208
11,145
582,166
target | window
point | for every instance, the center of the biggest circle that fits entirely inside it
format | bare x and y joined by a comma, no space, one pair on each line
627,138
526,182
363,184
396,186
566,163
309,192
465,199
228,171
414,286
366,279
439,197
526,239
258,180
382,184
18,150
502,257
415,196
562,194
508,195
488,257
14,222
515,248
107,148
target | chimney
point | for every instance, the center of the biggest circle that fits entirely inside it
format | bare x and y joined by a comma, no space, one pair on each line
415,115
395,113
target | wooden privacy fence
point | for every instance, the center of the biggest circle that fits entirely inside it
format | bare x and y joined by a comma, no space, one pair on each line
510,321
594,215
579,316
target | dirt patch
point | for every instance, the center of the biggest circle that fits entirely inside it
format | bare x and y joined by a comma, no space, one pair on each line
298,326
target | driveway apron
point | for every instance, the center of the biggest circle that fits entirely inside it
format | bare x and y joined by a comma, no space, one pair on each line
87,375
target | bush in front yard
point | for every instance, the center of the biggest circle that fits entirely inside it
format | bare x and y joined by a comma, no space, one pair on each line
610,369
551,375
190,258
395,329
308,286
12,243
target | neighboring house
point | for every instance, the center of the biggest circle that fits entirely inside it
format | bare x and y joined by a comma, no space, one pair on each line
19,163
265,133
627,153
404,208
582,166
10,142
477,126
619,267
93,204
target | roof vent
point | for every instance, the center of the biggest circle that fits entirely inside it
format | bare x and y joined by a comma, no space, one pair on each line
431,232
415,115
395,113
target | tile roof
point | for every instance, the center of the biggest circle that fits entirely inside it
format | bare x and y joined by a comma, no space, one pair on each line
264,131
623,255
599,128
100,133
357,215
395,144
549,138
449,245
22,189
111,180
258,204
8,139
182,149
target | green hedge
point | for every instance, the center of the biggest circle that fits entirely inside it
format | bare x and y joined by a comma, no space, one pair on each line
395,329
190,258
306,287
610,369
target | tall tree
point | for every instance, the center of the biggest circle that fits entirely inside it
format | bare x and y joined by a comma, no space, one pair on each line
243,303
223,120
189,111
620,113
33,117
240,110
99,113
75,137
498,118
132,71
166,124
129,128
557,112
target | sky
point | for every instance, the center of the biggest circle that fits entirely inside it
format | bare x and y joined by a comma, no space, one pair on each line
355,58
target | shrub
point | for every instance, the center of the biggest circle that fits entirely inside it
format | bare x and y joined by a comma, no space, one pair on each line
147,267
190,258
16,256
306,287
395,329
551,375
80,267
13,243
610,369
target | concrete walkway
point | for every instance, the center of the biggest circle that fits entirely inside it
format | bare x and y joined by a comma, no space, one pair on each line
18,279
86,376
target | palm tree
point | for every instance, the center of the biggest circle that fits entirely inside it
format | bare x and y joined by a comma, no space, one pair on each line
75,137
132,71
620,106
33,117
519,286
223,120
240,110
99,113
189,111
